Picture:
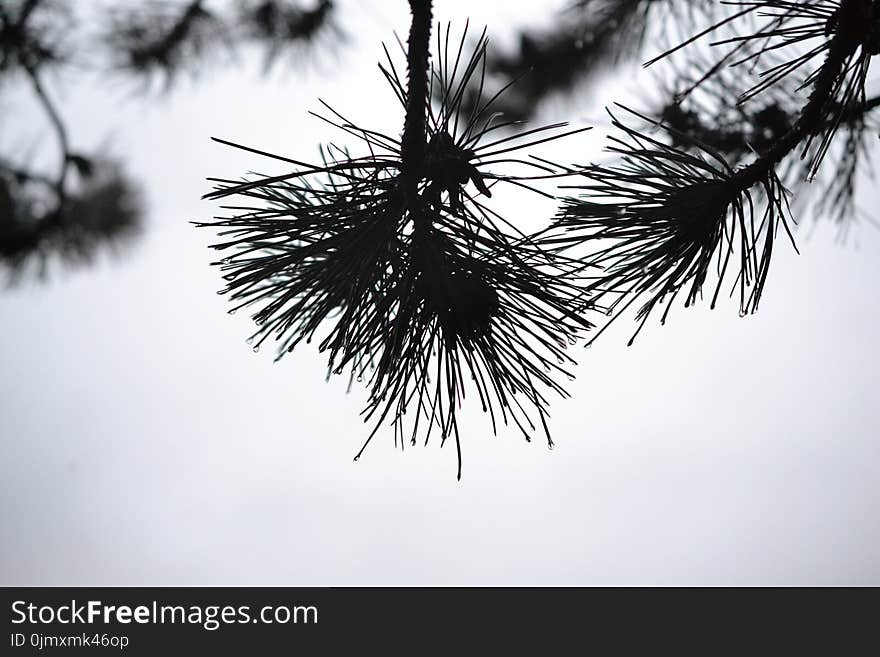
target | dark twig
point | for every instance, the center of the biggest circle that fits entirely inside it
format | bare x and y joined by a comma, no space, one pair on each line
413,143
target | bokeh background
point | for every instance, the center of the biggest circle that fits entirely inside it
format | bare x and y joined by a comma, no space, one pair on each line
143,442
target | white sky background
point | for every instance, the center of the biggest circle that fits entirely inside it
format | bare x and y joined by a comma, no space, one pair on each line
144,443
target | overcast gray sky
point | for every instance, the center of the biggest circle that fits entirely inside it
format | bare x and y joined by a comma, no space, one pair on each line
143,442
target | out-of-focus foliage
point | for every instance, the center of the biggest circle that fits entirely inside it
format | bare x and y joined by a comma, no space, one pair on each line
102,210
81,205
585,38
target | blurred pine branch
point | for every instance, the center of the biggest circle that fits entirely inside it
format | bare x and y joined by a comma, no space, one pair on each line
71,214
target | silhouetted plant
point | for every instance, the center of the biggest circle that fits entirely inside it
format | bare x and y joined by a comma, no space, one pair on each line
400,252
398,257
664,214
712,112
669,210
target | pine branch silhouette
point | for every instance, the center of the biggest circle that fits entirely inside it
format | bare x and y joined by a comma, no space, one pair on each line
670,211
397,261
663,216
430,294
714,114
